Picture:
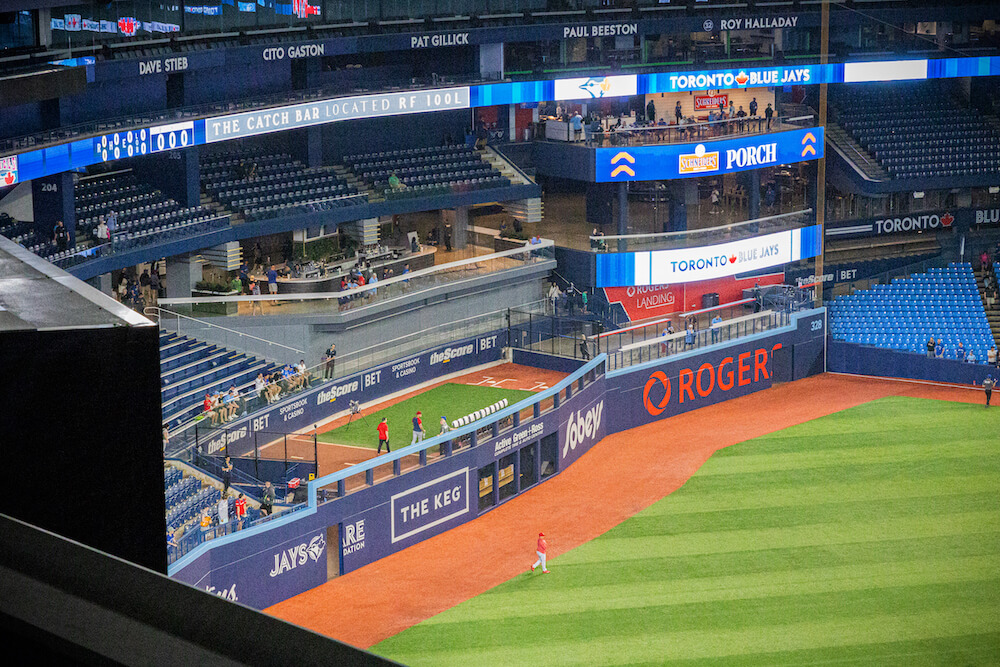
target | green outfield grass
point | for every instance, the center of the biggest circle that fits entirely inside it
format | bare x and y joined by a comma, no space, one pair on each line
451,400
868,537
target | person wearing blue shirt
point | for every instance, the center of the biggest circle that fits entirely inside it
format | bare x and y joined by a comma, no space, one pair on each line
576,122
960,352
939,349
716,321
272,281
689,334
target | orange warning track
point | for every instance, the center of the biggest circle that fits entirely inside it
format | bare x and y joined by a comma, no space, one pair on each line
581,503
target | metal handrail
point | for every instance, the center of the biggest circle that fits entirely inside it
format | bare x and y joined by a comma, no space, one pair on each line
365,289
157,311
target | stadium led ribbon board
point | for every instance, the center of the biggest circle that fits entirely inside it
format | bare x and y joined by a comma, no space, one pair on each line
686,265
708,158
94,149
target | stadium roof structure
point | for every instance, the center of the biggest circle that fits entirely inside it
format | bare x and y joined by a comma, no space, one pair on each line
36,295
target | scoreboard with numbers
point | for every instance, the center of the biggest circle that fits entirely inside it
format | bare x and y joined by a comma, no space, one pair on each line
144,141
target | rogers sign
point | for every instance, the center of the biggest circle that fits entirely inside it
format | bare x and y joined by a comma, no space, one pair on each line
746,368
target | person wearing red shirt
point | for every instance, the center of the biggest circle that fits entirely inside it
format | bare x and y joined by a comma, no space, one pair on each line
240,509
383,436
540,550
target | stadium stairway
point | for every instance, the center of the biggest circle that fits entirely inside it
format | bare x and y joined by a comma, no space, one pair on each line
943,302
992,314
189,368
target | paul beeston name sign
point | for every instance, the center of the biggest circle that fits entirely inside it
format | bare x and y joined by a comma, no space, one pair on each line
328,111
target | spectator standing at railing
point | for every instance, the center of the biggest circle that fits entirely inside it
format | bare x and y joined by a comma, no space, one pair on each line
991,356
939,349
972,357
223,508
768,114
960,351
330,361
716,203
651,111
112,222
553,296
267,500
716,323
60,236
227,474
240,509
689,334
930,347
255,306
154,286
678,114
753,107
272,282
741,116
102,233
144,285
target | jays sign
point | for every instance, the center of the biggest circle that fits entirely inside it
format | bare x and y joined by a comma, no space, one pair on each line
710,157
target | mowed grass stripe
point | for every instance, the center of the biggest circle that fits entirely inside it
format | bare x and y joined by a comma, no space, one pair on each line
684,502
823,637
829,512
800,582
882,455
813,553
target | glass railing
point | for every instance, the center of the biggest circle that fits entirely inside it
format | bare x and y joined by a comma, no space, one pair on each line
371,294
124,241
641,134
665,345
694,238
186,433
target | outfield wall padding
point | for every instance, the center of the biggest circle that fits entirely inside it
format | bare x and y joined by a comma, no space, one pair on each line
857,359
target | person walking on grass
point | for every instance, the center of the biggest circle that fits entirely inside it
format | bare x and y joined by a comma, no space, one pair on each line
383,436
418,428
540,549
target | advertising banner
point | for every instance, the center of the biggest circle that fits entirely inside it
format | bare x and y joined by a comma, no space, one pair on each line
656,390
908,223
710,102
263,569
327,111
684,265
722,156
646,302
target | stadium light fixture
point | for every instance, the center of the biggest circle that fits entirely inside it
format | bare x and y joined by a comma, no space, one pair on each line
994,189
918,195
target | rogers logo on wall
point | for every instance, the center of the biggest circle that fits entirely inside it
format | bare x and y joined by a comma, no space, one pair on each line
645,301
913,223
746,368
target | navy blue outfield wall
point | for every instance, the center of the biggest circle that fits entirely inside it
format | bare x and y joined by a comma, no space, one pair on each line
844,357
272,562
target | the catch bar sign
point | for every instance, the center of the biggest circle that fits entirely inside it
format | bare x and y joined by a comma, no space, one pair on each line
430,504
328,111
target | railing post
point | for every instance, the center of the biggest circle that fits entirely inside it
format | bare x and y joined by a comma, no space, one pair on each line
341,488
397,467
423,457
370,476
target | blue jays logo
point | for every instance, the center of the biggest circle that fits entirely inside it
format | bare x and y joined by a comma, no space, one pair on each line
316,547
596,86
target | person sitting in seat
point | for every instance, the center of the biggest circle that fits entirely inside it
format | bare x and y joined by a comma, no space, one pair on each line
303,373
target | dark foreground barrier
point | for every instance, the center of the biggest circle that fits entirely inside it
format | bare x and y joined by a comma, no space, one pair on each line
477,467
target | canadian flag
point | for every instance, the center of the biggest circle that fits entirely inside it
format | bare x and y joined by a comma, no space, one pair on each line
302,9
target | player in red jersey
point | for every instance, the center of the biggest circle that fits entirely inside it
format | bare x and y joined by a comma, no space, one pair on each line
540,549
